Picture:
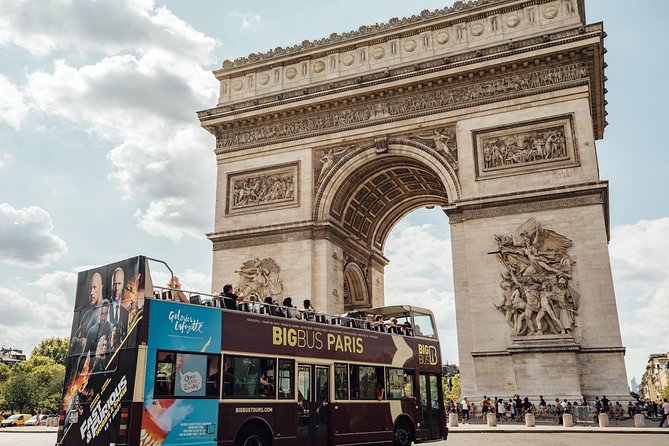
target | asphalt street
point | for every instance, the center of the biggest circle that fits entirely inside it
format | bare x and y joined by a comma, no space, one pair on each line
25,438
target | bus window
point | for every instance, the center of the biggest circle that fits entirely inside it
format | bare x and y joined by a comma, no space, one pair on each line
286,381
366,382
400,383
341,381
165,375
247,377
213,375
423,325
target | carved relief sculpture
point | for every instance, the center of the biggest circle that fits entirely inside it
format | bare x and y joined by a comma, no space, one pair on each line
529,146
260,278
263,188
536,296
443,140
327,159
524,148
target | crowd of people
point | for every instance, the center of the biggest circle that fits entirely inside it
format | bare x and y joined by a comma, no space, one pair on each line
515,408
233,299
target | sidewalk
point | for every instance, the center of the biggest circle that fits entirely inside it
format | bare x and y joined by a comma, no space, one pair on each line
542,429
30,429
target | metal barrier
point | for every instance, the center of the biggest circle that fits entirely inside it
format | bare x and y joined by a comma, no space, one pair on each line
583,416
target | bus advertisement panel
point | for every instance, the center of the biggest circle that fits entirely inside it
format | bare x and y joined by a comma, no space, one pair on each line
290,337
102,353
182,375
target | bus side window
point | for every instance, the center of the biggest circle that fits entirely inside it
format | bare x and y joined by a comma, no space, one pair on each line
213,375
286,381
423,325
165,371
341,381
366,381
400,383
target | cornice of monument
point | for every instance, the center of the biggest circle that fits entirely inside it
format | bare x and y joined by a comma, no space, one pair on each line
253,112
460,11
562,197
407,71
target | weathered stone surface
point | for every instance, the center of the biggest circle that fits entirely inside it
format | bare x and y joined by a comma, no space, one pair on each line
489,110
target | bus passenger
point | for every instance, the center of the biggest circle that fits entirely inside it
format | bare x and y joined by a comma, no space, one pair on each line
266,388
380,391
290,309
176,285
228,299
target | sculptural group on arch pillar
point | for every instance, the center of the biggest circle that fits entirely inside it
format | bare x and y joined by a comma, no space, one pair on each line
536,295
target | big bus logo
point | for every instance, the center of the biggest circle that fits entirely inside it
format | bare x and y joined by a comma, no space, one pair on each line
316,340
427,354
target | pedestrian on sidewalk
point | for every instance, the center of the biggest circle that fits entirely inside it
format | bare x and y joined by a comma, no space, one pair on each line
665,412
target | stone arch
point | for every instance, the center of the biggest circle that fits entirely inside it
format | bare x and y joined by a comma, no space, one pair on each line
360,163
356,287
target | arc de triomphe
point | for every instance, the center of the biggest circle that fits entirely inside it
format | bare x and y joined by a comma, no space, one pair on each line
489,109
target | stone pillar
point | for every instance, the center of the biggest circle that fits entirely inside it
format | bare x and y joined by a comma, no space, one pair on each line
491,419
452,420
529,420
568,420
603,420
639,420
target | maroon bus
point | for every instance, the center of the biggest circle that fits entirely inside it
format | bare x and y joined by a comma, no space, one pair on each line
165,372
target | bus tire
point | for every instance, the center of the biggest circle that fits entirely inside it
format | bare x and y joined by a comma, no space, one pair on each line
253,435
402,435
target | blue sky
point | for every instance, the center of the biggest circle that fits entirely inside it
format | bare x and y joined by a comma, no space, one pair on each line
102,157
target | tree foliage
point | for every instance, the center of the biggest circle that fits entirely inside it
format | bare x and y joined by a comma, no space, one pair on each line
31,385
454,393
665,393
54,348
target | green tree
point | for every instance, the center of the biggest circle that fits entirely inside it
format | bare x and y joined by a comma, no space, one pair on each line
454,394
15,390
54,348
665,393
34,384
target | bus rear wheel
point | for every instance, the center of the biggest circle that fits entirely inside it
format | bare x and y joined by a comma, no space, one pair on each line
253,435
402,434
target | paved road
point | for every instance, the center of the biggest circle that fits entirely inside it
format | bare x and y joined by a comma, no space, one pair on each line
456,439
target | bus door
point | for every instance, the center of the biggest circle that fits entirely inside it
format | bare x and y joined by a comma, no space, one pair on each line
313,400
429,402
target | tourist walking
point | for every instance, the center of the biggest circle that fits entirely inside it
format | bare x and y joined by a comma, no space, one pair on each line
665,412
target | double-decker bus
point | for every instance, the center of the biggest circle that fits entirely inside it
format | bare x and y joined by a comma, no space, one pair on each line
145,369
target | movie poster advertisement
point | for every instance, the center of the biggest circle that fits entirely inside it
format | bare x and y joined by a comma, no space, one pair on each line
102,353
182,375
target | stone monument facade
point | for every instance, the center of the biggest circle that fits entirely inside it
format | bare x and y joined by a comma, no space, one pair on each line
489,109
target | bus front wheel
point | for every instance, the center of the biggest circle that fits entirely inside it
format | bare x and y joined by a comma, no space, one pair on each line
253,435
402,434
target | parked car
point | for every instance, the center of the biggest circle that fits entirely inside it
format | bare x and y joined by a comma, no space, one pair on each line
18,419
33,420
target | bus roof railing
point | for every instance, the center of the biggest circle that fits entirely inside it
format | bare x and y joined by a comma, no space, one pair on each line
353,319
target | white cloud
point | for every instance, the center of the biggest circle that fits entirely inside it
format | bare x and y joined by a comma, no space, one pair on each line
108,26
46,303
26,237
146,106
641,271
248,20
421,273
12,106
4,159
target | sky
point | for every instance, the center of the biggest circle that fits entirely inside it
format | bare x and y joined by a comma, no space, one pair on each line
102,156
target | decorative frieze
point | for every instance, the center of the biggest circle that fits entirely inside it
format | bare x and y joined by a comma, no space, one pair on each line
406,106
267,188
525,147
